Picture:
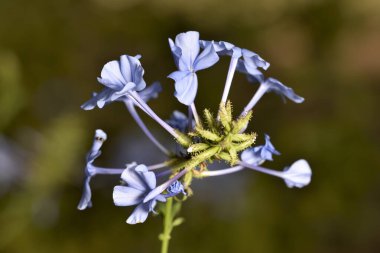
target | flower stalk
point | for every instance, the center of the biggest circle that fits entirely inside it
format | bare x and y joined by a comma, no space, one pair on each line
230,76
168,226
144,128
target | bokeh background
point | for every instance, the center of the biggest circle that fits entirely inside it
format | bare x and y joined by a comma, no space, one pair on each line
327,50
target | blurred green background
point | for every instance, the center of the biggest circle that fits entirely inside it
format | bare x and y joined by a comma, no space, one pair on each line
328,51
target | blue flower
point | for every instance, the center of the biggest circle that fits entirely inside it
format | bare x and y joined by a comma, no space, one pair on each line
146,94
222,47
119,77
188,59
250,62
180,121
253,74
260,154
298,174
175,188
253,60
140,182
90,170
273,85
150,92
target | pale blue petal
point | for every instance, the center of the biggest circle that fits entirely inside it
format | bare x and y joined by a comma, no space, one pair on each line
90,104
253,74
127,196
221,47
104,96
126,68
206,59
257,78
265,153
298,175
186,89
259,154
279,88
189,44
251,156
176,51
133,178
137,73
148,176
138,177
179,75
146,94
117,74
111,76
140,214
150,92
160,198
224,46
253,60
128,87
179,121
101,103
268,149
110,84
205,43
236,52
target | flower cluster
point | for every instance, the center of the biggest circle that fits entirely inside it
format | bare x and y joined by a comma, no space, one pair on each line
219,137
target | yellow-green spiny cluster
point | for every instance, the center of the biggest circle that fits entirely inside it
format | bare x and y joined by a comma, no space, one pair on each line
220,138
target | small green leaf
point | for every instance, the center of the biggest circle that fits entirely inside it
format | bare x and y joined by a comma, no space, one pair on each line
178,221
176,208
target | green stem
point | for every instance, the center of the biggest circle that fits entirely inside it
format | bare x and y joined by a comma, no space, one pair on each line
168,225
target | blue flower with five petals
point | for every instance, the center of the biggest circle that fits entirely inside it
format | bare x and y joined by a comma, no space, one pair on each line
119,77
140,182
189,59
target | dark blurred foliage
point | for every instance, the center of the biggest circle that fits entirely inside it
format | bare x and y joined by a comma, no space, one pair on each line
50,55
